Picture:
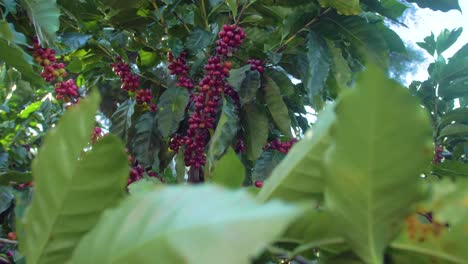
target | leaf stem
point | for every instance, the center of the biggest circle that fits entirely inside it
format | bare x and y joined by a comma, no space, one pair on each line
244,7
163,22
305,27
205,18
182,21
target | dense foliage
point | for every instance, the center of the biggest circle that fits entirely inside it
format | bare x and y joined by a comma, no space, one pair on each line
112,111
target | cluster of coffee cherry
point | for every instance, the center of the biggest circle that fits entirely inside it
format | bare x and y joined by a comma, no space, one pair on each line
438,155
130,81
230,38
144,97
256,65
66,89
180,68
55,71
205,107
137,172
280,146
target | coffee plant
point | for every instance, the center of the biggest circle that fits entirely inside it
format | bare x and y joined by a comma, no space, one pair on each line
236,131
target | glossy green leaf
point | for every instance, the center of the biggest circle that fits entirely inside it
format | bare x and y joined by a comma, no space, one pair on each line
343,7
228,171
365,39
237,76
265,165
300,175
122,119
14,56
392,9
277,107
14,176
453,130
233,6
446,39
451,168
340,71
8,32
280,77
366,193
198,40
255,124
225,132
318,67
145,141
158,221
249,87
171,110
6,198
44,14
442,5
71,187
459,115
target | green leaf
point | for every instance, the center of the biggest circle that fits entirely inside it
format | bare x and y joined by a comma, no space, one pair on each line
249,87
312,230
25,113
446,39
225,132
6,198
8,32
343,7
459,115
15,57
237,76
361,171
340,71
144,185
318,66
15,176
365,38
154,226
233,6
44,14
454,130
72,188
442,5
448,205
145,141
281,79
429,44
171,110
74,40
256,130
228,171
265,164
198,40
122,119
451,168
392,9
277,107
300,175
10,6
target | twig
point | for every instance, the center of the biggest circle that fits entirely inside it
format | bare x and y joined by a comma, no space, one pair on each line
163,22
205,18
244,7
305,27
182,21
8,241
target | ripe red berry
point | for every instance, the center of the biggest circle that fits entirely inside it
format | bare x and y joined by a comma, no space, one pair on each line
12,235
258,184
